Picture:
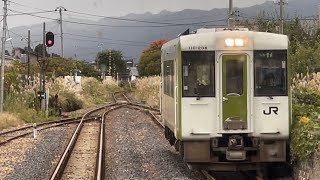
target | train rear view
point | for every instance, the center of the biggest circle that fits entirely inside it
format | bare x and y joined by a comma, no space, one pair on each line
225,98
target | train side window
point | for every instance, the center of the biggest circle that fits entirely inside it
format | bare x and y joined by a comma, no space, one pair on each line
270,68
198,73
168,77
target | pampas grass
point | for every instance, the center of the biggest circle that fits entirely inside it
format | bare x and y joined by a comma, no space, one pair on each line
148,90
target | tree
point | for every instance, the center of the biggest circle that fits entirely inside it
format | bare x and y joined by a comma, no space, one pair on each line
62,67
150,61
115,57
39,49
12,79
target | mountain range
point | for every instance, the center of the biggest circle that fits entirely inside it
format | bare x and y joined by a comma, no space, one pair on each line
134,32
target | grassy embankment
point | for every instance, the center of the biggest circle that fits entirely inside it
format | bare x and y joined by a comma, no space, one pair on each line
22,107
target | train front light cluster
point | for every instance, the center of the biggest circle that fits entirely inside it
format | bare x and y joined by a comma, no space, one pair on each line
230,42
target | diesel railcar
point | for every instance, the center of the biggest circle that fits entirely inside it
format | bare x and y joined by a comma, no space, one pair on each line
225,99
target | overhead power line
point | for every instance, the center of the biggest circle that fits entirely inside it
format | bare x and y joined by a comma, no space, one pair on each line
24,5
105,42
101,16
106,38
125,26
128,19
22,37
40,12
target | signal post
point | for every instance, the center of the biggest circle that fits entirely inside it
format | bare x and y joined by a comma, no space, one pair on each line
48,41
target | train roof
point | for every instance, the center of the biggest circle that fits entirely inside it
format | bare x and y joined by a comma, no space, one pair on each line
215,40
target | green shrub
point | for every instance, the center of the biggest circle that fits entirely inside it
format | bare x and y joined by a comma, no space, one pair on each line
69,102
124,84
97,92
305,102
305,139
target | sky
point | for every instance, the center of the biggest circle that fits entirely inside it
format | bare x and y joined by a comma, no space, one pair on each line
109,8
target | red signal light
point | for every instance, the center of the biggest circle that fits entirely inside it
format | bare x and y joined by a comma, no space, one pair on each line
49,42
49,39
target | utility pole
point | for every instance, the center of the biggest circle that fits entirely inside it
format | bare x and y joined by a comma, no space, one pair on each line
100,45
281,3
28,52
43,62
231,18
110,63
319,15
60,9
281,16
4,31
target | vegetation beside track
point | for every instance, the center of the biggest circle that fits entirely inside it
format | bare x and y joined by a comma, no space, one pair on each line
9,120
305,136
148,90
21,100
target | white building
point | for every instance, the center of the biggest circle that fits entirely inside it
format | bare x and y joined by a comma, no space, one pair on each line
133,73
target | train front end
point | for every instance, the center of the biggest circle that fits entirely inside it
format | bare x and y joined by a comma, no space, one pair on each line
232,105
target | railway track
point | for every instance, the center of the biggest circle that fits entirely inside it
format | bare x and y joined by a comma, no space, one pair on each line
82,161
84,155
120,97
85,148
8,136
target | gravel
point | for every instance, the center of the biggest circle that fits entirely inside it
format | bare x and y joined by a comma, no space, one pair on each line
137,149
42,156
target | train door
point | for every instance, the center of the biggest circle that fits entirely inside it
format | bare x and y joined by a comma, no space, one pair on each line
234,92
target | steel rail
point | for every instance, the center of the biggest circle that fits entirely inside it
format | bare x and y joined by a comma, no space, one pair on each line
207,175
114,95
57,173
99,172
127,99
40,129
146,107
39,125
147,110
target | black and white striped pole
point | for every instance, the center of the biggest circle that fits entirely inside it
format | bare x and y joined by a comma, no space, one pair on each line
35,131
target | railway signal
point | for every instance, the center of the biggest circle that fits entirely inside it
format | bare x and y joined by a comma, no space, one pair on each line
49,39
41,95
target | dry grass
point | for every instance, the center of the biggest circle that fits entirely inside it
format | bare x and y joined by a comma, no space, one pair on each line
310,80
9,120
97,92
148,90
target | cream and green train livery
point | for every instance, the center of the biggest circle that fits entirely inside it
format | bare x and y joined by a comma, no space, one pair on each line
225,99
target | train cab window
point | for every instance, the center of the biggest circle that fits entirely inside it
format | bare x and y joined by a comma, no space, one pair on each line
234,77
198,73
270,68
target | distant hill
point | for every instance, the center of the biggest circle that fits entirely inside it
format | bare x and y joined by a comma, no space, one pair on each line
82,41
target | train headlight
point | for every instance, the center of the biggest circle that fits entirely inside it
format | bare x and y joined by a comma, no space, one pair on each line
229,42
239,42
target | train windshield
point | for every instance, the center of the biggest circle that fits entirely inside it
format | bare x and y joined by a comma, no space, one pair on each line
198,73
270,72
